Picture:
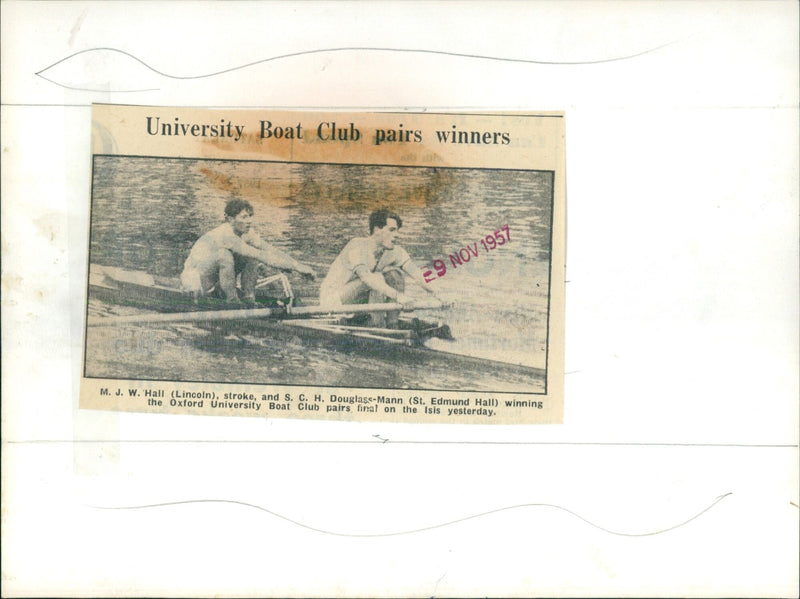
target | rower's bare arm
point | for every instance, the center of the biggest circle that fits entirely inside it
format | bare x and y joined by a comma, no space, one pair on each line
414,271
270,256
237,246
376,282
280,259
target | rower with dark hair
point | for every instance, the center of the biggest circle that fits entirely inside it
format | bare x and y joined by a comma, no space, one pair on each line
372,269
232,250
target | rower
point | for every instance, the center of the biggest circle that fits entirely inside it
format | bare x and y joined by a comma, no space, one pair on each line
233,250
373,270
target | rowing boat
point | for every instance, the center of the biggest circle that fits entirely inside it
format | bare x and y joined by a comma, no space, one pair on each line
275,307
137,298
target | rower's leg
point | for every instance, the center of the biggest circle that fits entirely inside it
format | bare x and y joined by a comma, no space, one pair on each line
394,279
192,280
201,275
249,270
354,292
227,274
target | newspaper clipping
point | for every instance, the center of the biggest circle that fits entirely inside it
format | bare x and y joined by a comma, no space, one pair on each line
373,266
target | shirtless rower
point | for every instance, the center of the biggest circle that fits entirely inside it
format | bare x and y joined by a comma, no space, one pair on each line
372,269
230,250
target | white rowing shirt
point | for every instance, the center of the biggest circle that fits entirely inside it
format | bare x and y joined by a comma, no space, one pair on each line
358,252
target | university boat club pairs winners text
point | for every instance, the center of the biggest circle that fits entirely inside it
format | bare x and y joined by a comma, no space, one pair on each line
325,131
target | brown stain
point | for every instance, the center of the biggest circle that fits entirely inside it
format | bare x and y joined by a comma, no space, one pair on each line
247,140
47,226
420,195
10,282
258,191
311,149
366,152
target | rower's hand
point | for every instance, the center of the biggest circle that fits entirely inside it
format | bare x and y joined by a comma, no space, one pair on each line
443,303
406,300
306,271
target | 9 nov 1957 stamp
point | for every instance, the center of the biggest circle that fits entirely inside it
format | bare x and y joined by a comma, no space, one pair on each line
377,266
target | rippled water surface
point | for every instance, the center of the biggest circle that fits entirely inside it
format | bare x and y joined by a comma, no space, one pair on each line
147,213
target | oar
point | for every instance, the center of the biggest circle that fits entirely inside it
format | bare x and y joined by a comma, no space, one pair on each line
244,313
359,308
207,316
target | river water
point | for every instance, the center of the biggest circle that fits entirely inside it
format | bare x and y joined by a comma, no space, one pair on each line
147,213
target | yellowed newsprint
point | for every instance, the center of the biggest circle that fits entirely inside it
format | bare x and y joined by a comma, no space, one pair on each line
375,266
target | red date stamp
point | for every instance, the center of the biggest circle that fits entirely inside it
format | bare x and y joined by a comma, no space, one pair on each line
491,242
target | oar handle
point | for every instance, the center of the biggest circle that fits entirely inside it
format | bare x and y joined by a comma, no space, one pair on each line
360,308
207,316
243,313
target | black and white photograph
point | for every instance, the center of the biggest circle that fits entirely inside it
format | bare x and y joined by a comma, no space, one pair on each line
470,247
370,277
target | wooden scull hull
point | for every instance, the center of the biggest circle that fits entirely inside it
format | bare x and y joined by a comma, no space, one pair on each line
168,303
165,303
